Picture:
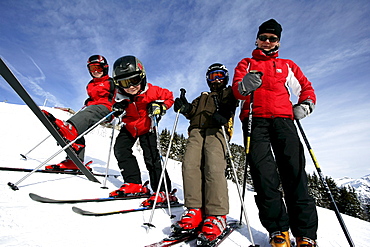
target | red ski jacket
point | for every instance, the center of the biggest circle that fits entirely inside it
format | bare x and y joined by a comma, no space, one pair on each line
272,98
136,119
100,91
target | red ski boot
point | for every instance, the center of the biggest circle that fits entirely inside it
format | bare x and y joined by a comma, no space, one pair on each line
161,199
189,222
67,165
213,226
65,129
129,189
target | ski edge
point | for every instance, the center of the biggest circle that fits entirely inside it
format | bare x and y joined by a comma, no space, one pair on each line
89,213
15,169
42,199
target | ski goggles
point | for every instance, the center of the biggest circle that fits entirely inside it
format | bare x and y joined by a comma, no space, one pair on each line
128,82
272,39
95,67
216,74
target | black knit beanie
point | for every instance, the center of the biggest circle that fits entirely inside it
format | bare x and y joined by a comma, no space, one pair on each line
270,26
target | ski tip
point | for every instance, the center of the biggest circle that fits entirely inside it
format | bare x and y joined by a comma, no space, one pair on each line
104,187
13,186
23,156
33,196
149,225
77,210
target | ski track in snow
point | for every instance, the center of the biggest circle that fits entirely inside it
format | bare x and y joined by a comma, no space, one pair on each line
24,222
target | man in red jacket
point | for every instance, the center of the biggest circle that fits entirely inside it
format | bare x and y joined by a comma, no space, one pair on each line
276,153
99,103
141,101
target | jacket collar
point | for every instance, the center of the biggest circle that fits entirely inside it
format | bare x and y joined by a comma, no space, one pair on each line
258,54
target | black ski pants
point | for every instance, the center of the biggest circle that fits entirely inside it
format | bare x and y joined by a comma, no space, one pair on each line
128,164
277,157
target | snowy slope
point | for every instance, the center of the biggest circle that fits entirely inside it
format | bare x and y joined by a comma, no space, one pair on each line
24,222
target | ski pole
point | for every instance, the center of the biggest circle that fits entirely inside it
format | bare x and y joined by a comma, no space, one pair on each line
244,210
109,153
155,121
247,146
322,178
15,186
24,156
149,224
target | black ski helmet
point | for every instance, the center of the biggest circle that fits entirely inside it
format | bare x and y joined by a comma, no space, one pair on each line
98,59
214,67
127,67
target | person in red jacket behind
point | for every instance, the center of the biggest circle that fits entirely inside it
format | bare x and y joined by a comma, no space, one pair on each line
276,153
99,104
141,101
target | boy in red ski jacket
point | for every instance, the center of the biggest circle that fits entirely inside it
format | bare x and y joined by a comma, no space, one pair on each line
276,153
141,101
99,103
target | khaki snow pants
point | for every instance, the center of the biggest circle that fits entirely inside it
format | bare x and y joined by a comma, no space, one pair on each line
203,172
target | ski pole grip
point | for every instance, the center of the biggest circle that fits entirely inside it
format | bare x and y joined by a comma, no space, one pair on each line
182,92
215,99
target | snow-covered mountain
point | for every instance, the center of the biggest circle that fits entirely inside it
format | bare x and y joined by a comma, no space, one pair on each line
24,222
361,186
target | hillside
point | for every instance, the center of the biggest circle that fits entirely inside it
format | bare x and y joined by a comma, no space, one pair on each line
24,222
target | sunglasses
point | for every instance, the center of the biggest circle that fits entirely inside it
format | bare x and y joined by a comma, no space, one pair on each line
217,74
97,68
126,83
272,39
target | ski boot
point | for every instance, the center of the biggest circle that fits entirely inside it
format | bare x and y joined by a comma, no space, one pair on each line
280,239
213,227
305,242
161,199
67,165
189,223
65,129
131,189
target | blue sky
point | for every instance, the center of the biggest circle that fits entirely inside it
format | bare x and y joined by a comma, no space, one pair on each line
47,43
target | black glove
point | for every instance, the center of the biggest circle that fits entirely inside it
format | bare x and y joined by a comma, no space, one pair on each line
156,109
303,109
87,101
219,119
183,105
250,83
119,107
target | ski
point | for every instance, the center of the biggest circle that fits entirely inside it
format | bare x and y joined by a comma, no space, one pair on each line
10,78
68,172
231,226
184,237
88,213
102,199
173,240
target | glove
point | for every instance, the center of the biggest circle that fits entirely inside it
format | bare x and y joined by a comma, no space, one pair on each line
250,82
119,107
183,105
155,108
87,101
219,119
303,109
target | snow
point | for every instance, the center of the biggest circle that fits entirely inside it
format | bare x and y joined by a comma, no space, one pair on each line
24,222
